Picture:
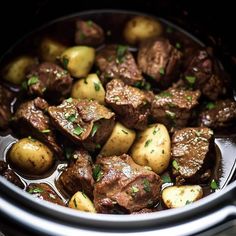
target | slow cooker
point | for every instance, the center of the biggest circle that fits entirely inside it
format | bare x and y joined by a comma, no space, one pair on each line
20,214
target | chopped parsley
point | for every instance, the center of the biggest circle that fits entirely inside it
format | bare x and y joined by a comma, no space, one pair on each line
75,203
170,114
84,195
147,142
188,202
152,151
190,79
98,146
165,94
78,130
52,196
45,131
65,62
97,172
35,190
125,132
69,100
96,86
89,23
33,80
146,185
24,85
175,164
31,139
94,129
162,71
166,179
189,98
82,36
156,129
210,105
120,53
71,118
214,185
178,45
163,151
134,189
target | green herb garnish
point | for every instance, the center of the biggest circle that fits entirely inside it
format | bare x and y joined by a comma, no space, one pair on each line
166,179
125,132
84,195
156,129
45,131
175,164
178,45
35,190
214,185
190,79
94,129
24,85
97,172
120,53
147,142
65,62
162,71
210,105
188,202
134,189
96,86
78,130
165,94
170,114
69,100
146,185
71,118
75,203
82,36
189,98
52,196
98,146
89,23
33,80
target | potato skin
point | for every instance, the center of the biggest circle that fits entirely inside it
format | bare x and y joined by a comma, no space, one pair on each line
78,60
119,141
90,88
30,156
15,71
80,201
152,148
50,49
141,28
179,196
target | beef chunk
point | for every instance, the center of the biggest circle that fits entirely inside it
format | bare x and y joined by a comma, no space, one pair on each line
6,97
203,73
193,154
50,81
10,175
88,33
115,61
30,119
44,192
131,104
83,121
222,113
160,60
173,107
124,186
78,176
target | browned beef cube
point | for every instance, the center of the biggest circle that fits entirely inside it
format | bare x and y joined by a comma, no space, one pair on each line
10,175
83,121
88,33
124,186
173,107
6,97
131,104
50,81
44,192
193,154
78,176
222,113
30,119
160,60
203,73
115,61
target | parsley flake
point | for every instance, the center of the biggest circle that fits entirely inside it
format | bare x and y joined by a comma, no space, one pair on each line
33,80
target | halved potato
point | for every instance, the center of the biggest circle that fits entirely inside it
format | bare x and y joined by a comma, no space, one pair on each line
179,196
119,142
80,201
78,60
152,148
90,88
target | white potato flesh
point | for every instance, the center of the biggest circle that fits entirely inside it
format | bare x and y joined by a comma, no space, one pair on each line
90,88
141,28
15,71
179,196
50,49
119,142
153,148
81,202
78,60
31,156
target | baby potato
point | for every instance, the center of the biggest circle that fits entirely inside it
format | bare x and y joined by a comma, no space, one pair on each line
140,28
30,156
78,60
179,196
90,88
80,201
152,148
15,71
119,142
50,49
